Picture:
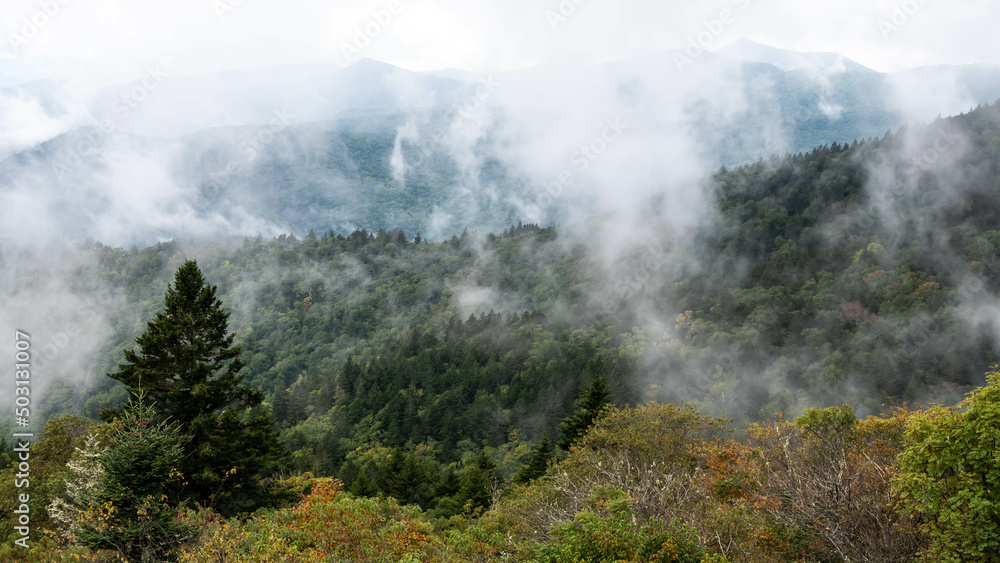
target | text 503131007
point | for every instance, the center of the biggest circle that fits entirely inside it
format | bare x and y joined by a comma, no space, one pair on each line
22,402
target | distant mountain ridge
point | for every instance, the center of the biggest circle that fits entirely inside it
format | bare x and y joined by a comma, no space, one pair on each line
830,63
179,105
355,147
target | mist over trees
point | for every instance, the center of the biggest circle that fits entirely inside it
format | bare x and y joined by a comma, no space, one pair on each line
861,275
188,369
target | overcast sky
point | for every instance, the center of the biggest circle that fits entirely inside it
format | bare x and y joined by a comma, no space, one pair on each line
110,40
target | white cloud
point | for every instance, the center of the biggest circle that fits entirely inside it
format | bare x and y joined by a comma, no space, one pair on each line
111,39
24,121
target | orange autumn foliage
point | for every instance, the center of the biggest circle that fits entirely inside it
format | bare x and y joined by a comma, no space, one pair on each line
329,524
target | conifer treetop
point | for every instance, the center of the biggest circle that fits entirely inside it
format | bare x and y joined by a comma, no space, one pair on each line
186,360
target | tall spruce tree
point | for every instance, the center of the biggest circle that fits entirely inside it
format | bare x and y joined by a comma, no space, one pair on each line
189,369
186,362
589,406
475,491
541,457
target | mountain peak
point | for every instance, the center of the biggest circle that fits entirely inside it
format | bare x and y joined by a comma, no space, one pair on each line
367,64
786,60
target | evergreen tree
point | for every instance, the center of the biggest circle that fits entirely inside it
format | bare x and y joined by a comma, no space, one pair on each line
350,379
362,486
282,408
134,508
449,484
186,363
589,406
403,478
189,368
540,459
393,480
478,483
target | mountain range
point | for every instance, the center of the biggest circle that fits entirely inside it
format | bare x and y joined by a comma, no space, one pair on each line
297,147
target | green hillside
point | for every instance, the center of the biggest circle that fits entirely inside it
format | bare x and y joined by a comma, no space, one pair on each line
850,274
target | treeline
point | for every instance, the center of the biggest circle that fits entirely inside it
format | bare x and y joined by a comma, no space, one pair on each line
656,482
430,371
851,271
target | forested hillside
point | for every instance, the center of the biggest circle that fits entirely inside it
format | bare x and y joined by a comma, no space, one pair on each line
847,272
378,147
862,274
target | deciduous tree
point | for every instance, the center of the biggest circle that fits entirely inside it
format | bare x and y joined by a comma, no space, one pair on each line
949,476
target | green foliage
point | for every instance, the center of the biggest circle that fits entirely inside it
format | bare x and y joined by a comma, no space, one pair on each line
48,469
541,457
405,477
800,289
133,511
47,550
950,476
475,494
186,362
384,364
191,371
608,531
834,426
589,407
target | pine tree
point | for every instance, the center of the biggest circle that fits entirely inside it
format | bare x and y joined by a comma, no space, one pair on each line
590,405
539,464
362,486
350,380
133,508
189,369
477,485
403,478
449,484
282,407
187,364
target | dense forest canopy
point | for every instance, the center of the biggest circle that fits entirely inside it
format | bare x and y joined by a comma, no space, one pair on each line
857,274
851,271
